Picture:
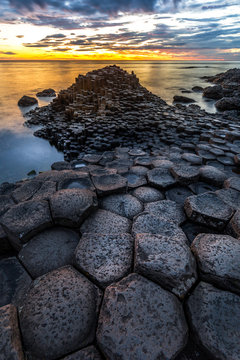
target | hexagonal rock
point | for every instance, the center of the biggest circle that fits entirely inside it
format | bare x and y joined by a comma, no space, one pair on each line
134,180
160,178
147,194
70,207
139,170
233,227
60,313
178,194
124,205
5,246
47,189
233,183
218,260
230,197
5,203
208,209
166,261
151,224
108,184
78,181
141,320
89,353
212,175
25,220
10,338
168,209
49,250
15,282
26,191
162,163
192,158
215,320
61,165
104,258
185,174
106,222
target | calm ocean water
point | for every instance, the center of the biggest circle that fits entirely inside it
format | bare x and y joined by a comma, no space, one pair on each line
21,152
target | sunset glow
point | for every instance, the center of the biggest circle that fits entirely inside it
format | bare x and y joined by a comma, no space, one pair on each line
135,30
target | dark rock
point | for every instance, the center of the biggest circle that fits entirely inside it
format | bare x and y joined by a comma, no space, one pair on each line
183,99
197,89
26,191
178,194
108,184
5,246
106,222
61,165
49,250
15,282
104,258
192,230
134,180
5,203
46,93
168,209
233,227
230,197
213,92
212,175
79,181
155,258
208,209
89,353
60,313
25,220
228,103
27,101
185,174
124,205
70,207
155,328
192,158
10,338
147,194
160,178
218,260
232,183
214,316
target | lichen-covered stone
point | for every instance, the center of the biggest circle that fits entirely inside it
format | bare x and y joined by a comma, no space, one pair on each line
167,261
168,209
70,207
49,250
59,315
147,194
140,320
105,258
218,260
214,316
10,338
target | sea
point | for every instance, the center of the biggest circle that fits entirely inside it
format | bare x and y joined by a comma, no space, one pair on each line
21,152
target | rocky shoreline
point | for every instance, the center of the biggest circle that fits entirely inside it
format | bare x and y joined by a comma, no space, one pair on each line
126,253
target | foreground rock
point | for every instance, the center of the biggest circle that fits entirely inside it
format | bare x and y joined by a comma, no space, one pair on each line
65,304
27,101
183,99
218,260
10,338
46,93
124,205
154,329
214,317
89,353
167,261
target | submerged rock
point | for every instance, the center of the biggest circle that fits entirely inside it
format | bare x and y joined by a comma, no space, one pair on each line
46,93
27,101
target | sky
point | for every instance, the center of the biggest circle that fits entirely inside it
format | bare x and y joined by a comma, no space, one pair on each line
120,30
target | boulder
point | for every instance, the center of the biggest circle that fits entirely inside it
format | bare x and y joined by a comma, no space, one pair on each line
147,194
121,204
27,101
183,99
46,93
168,209
213,92
228,103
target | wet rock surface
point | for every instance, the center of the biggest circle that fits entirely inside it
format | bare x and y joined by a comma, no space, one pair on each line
131,163
155,328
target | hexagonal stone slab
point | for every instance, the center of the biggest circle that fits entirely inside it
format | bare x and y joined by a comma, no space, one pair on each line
105,258
192,230
26,191
167,261
49,250
233,183
10,338
108,184
208,209
124,205
168,209
212,175
14,283
134,180
25,220
5,203
218,260
147,194
233,227
160,178
154,329
178,194
60,313
106,222
70,207
89,353
192,158
78,181
151,224
214,316
185,174
5,246
230,197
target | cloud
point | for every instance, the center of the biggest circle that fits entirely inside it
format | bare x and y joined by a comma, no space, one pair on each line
8,53
88,7
20,36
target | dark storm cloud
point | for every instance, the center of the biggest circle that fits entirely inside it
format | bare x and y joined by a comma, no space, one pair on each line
88,7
